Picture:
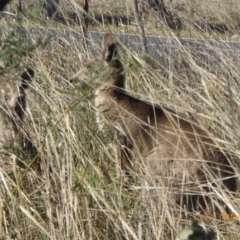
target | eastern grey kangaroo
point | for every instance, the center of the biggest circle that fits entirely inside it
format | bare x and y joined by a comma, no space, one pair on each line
171,152
12,108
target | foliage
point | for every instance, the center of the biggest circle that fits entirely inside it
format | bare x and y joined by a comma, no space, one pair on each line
76,192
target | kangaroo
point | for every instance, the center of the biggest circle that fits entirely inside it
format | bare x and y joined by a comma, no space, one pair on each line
169,151
12,109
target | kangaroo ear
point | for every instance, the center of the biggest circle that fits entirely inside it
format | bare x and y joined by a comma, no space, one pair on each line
109,47
3,3
26,78
107,39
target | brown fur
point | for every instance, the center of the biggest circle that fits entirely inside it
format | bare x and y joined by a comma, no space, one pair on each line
171,152
12,108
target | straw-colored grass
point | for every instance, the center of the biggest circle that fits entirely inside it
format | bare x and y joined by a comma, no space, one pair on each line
77,193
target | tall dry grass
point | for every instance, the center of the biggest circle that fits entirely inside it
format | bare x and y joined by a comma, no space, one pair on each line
76,193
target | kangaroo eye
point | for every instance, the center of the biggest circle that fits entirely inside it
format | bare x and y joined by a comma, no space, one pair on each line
6,98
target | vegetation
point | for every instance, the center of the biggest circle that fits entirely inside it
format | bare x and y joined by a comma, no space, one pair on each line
71,189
